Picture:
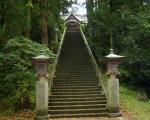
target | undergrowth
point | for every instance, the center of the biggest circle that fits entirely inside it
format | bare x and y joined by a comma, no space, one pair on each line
133,100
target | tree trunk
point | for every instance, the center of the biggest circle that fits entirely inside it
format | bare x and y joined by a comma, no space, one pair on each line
28,27
44,34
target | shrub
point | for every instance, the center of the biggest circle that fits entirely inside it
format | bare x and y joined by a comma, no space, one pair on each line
17,83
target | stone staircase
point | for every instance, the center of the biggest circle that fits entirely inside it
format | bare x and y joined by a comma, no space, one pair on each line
76,92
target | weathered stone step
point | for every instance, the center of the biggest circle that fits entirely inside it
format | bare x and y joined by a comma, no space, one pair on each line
75,84
53,99
75,69
76,103
77,106
79,65
76,96
75,72
76,76
75,90
59,79
82,62
78,115
75,66
77,111
68,78
77,93
86,81
63,69
78,87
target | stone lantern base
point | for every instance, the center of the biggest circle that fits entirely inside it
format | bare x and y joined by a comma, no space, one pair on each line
113,98
41,100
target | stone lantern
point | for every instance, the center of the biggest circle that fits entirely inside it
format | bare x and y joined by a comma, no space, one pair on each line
112,61
42,86
41,64
56,34
90,30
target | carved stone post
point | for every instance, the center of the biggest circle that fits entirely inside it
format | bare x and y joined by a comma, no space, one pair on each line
113,84
41,86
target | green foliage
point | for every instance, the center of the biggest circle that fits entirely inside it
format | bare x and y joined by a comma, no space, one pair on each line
17,83
12,18
54,46
135,46
24,18
130,32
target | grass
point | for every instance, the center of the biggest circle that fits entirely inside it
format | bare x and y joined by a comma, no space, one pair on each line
20,115
135,103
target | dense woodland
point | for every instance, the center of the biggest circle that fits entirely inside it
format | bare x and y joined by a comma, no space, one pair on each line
123,25
26,26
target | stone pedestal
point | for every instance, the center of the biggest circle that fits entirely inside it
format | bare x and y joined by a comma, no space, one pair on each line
113,97
41,100
56,36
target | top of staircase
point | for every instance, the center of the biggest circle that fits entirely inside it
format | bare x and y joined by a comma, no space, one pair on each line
72,23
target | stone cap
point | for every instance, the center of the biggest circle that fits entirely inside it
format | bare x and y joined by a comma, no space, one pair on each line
42,58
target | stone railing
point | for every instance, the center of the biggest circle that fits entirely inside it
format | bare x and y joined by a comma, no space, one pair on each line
52,73
96,68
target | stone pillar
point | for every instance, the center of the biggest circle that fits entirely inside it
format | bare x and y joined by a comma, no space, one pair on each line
113,98
56,36
41,100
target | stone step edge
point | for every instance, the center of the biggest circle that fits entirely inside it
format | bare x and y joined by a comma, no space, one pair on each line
67,106
77,102
78,115
72,111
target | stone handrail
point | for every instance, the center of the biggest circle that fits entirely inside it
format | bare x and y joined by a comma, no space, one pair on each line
96,68
56,62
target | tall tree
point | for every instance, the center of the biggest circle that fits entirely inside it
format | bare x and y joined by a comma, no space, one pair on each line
128,21
28,6
44,33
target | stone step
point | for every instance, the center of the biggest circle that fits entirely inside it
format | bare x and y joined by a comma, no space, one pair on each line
77,93
76,103
62,107
75,84
77,87
76,69
78,115
57,99
77,111
75,80
75,90
76,75
74,72
76,96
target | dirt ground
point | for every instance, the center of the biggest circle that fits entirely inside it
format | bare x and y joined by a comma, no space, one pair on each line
30,116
